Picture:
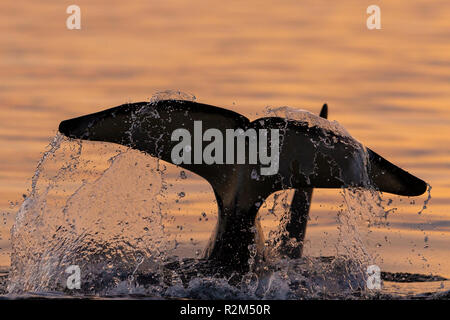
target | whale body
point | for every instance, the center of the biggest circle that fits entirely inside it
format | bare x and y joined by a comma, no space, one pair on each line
311,155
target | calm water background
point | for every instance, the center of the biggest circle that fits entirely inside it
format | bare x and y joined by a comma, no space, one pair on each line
390,88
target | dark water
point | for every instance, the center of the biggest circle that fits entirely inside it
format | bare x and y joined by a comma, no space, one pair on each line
421,287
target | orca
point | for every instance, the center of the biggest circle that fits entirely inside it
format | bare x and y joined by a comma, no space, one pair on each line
298,216
311,155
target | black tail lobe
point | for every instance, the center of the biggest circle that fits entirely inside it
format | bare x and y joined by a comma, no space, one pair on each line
387,177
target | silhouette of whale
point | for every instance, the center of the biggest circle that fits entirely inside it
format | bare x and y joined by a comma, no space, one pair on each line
311,155
298,216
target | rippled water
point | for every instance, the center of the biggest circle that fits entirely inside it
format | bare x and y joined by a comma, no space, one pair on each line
389,88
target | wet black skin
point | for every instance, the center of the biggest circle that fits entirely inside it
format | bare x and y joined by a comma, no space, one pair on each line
298,216
308,159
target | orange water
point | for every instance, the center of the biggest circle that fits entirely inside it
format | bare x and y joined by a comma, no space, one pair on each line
389,88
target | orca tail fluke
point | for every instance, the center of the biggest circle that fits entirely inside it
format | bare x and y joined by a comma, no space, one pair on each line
387,177
302,164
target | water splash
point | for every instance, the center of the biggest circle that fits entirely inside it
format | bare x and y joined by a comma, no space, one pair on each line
101,220
172,95
110,210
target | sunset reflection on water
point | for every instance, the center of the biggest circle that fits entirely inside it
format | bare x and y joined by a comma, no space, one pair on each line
389,88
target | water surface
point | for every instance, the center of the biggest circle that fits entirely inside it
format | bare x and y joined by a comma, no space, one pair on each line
389,88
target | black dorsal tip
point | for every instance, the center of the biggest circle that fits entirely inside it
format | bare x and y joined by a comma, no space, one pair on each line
324,111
